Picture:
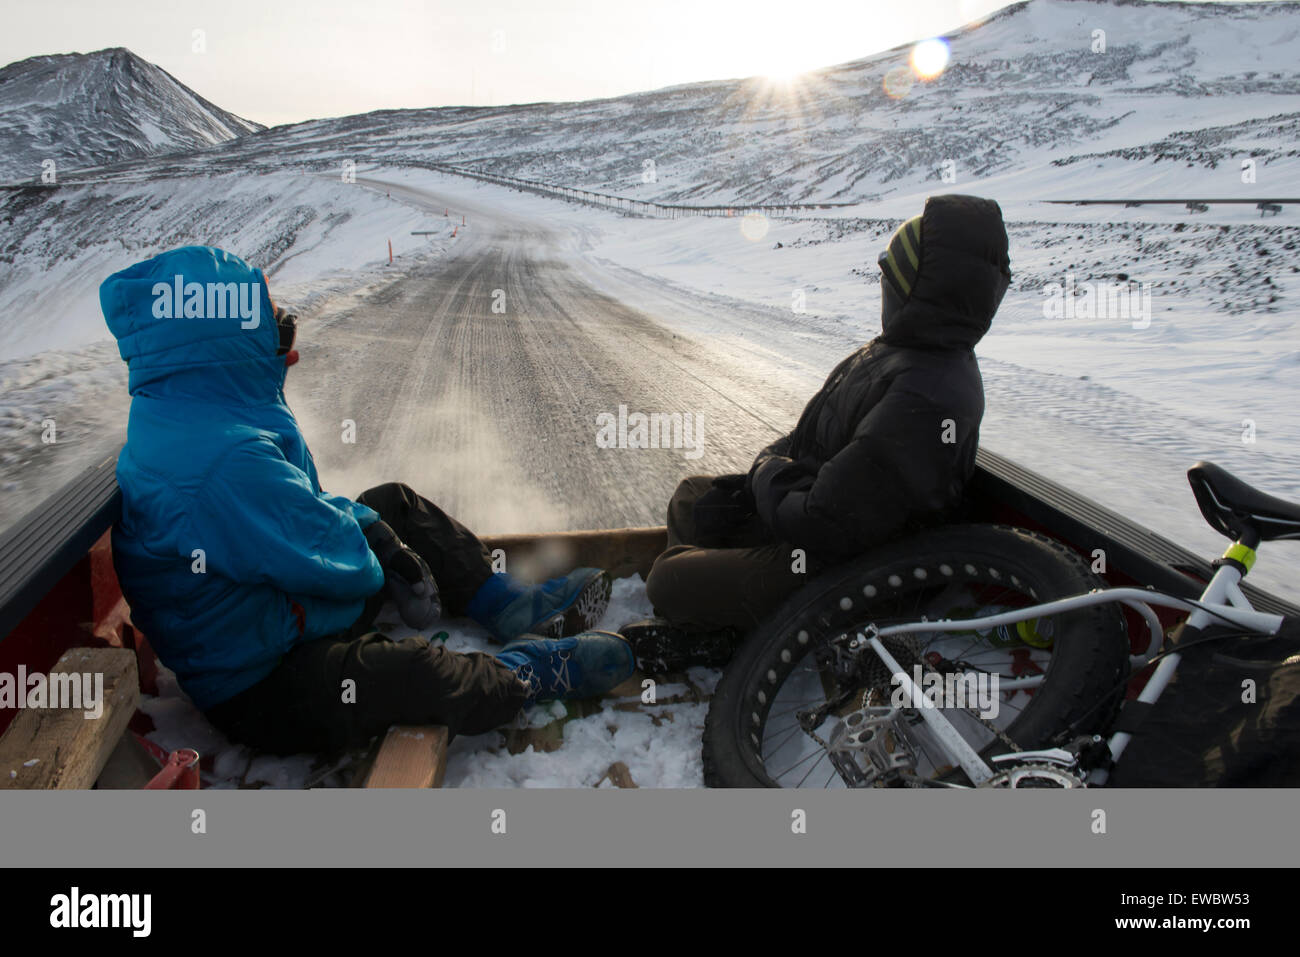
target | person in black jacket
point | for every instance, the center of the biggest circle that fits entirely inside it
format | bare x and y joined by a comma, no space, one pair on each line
886,446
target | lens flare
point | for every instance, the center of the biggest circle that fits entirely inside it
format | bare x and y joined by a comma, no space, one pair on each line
754,226
929,58
898,82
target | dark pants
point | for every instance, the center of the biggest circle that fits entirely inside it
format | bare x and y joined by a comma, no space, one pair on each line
732,579
459,561
336,693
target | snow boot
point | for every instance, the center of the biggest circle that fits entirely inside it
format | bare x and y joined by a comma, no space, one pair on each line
562,606
580,666
662,647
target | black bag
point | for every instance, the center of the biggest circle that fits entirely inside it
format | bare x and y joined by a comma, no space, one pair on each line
1200,733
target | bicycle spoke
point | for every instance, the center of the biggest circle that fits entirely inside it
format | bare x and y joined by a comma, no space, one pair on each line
777,746
925,752
811,769
795,707
821,751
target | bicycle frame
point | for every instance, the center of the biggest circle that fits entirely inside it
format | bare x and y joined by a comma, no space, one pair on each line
1221,601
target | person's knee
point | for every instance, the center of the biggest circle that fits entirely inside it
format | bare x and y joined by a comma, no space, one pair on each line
692,487
654,586
665,585
387,497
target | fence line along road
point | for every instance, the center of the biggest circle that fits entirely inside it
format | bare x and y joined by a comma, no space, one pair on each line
1264,206
624,204
635,207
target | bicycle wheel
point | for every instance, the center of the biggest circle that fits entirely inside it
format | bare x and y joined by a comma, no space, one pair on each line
753,736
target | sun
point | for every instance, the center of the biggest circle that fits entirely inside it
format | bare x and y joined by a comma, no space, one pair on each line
789,71
929,58
779,78
786,75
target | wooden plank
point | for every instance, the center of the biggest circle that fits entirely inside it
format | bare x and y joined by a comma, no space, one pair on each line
619,776
411,756
620,551
46,748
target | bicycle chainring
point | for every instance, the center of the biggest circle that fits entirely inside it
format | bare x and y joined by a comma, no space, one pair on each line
1034,775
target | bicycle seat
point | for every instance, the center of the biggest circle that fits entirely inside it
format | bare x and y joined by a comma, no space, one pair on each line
1232,507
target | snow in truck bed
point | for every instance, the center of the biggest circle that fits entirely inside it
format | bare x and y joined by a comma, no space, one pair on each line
658,743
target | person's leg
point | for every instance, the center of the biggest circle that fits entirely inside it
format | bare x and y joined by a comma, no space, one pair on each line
707,599
681,509
706,589
462,568
728,580
335,694
460,563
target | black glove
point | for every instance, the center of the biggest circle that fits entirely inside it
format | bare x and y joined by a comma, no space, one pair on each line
723,507
407,579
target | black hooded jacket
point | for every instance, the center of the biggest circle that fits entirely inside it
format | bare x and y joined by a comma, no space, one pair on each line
890,439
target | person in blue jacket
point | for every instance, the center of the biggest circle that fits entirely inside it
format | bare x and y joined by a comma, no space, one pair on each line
258,588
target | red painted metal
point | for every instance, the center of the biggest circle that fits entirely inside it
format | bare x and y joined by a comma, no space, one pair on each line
180,773
85,609
61,620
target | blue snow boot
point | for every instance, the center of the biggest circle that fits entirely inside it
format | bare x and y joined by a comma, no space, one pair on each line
562,606
581,666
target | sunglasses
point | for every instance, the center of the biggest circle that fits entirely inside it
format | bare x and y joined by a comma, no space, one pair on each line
288,327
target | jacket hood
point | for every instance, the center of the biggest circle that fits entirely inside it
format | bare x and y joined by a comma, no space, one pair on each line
195,323
963,274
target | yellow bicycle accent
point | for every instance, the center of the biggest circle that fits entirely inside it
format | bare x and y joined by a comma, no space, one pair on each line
1242,553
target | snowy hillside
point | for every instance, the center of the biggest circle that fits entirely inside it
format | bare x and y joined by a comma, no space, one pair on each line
1025,110
1177,91
83,110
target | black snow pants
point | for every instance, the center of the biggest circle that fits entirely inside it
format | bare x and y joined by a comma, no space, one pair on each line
732,579
336,693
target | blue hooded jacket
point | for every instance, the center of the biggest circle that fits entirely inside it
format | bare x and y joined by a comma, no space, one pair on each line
228,551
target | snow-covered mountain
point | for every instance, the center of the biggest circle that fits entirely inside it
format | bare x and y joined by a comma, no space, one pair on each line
1032,105
88,109
1148,97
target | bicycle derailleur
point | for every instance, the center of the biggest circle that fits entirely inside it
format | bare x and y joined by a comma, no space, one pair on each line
873,745
1063,767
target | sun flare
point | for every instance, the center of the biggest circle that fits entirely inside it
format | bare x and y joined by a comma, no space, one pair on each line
929,58
784,76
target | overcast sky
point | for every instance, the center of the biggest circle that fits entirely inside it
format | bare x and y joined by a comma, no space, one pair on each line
280,61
